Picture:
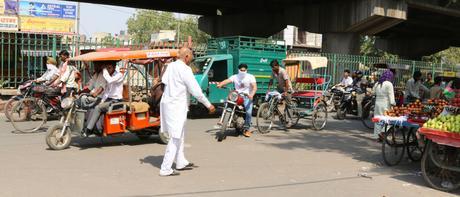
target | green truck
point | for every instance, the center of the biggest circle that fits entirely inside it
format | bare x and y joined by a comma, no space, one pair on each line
222,60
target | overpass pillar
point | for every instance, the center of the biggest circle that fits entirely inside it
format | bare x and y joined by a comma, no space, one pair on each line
346,43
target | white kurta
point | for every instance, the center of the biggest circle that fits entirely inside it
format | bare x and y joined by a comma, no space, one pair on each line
179,84
384,98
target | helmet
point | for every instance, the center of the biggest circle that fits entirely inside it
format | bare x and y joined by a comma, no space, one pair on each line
358,73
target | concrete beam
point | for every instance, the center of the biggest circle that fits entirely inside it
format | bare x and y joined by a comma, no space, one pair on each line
345,43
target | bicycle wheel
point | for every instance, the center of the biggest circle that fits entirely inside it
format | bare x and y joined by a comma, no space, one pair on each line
393,146
9,106
292,113
265,118
367,115
319,116
28,115
437,177
414,152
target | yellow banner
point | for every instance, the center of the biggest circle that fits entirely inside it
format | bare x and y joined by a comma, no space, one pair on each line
2,6
48,25
449,74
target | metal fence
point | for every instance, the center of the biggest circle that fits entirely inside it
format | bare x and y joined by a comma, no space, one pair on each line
23,55
337,63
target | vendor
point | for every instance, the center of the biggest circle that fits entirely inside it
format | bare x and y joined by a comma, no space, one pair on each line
414,86
384,99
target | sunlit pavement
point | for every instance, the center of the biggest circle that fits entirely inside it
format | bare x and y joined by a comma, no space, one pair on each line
340,160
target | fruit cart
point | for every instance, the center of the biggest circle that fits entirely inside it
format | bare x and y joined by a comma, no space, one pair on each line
441,160
401,125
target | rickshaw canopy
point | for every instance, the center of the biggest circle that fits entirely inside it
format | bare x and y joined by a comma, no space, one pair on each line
315,62
126,55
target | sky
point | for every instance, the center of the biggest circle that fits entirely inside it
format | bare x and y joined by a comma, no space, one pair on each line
100,18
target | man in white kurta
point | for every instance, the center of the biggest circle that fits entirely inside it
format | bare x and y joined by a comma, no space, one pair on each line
179,84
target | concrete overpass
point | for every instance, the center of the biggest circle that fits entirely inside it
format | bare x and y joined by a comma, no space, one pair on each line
410,28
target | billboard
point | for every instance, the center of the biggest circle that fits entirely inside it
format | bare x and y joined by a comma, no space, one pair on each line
8,7
29,8
8,23
47,25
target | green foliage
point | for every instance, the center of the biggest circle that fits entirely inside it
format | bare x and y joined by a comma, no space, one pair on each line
145,22
449,56
368,48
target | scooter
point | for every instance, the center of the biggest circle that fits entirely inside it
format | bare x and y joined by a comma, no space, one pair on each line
233,114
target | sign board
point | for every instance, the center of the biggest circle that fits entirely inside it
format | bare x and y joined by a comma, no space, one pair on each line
8,23
8,7
47,25
449,74
28,8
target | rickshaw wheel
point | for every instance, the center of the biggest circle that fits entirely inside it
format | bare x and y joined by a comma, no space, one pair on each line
437,177
221,135
393,146
53,142
143,135
293,114
264,117
319,124
414,152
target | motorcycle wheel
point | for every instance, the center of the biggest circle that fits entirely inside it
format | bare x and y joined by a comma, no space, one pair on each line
221,134
367,115
341,112
319,116
55,143
264,118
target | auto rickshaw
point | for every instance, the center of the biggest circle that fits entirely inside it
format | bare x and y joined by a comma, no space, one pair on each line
137,116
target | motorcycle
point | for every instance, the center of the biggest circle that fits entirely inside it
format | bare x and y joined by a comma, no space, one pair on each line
348,103
333,98
233,114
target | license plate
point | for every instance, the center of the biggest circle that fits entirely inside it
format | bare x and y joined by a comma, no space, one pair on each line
114,120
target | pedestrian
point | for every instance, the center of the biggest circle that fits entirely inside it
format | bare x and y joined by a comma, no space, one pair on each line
384,98
179,84
414,86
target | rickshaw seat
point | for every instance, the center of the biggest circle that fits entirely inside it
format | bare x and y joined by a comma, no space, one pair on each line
309,80
308,94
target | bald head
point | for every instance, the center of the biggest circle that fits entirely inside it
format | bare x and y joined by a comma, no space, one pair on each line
186,55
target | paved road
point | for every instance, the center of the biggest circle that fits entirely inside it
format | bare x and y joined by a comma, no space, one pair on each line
301,162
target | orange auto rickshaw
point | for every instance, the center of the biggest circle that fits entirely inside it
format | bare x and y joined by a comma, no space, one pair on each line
131,115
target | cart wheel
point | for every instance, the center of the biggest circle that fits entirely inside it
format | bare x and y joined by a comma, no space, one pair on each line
221,135
367,115
437,177
52,138
393,146
264,118
319,116
414,152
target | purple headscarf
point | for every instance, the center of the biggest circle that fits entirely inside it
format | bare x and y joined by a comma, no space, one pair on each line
386,76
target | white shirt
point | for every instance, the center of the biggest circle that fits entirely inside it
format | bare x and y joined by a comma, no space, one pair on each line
69,77
413,88
243,82
114,87
179,84
347,81
50,71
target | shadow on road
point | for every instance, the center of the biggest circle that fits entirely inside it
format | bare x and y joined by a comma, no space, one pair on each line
155,161
122,140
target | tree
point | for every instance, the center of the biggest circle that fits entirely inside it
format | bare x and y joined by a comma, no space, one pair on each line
449,56
145,22
368,48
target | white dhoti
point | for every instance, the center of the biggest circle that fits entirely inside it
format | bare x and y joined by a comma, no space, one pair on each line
173,118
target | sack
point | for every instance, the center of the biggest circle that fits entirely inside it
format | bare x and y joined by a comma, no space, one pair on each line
156,92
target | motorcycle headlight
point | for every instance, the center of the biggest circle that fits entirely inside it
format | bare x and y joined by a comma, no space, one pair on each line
233,96
66,103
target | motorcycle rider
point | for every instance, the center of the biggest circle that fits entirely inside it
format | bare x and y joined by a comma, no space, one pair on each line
346,80
244,83
51,70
